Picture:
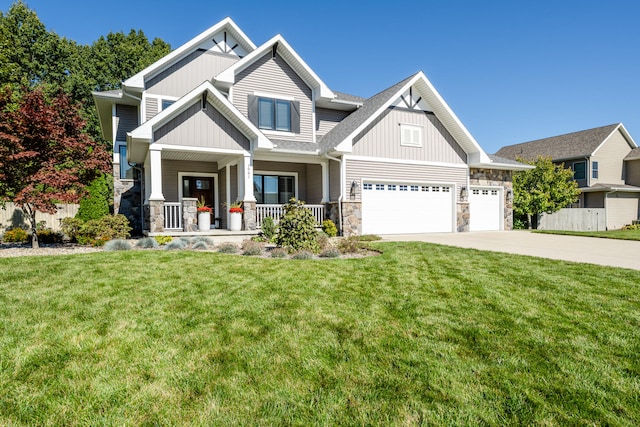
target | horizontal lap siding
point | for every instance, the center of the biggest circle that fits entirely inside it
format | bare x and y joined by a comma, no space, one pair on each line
170,169
197,128
151,107
126,120
275,76
327,119
609,158
363,170
186,74
382,139
633,172
622,209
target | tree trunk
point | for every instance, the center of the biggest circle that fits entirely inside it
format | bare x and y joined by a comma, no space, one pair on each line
31,214
529,221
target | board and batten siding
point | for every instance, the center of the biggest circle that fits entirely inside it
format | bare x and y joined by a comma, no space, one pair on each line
181,77
151,108
327,119
170,169
609,158
370,171
334,181
195,127
274,76
382,139
622,209
126,120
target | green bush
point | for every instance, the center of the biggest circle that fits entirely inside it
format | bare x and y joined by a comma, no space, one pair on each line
201,246
297,228
323,241
147,243
48,236
351,245
203,239
15,235
163,240
98,232
278,253
117,245
228,248
631,227
95,204
177,244
268,228
330,228
71,228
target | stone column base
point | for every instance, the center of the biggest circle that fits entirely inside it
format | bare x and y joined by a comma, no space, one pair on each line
156,216
189,214
249,221
351,218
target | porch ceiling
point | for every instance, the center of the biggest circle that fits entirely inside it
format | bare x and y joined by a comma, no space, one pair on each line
194,156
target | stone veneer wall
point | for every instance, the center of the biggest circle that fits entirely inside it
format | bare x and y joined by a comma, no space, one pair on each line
249,221
156,216
462,216
126,199
351,218
496,177
189,214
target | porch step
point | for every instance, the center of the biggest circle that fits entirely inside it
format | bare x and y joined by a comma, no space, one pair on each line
217,235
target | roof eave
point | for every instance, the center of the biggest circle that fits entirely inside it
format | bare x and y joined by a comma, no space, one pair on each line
501,166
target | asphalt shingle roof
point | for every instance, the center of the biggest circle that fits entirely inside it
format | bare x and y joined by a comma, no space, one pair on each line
567,146
347,97
350,123
633,154
497,159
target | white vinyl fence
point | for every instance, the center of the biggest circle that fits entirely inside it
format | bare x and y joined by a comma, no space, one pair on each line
574,219
11,216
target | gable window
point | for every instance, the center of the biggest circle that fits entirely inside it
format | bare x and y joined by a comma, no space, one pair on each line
410,135
579,170
273,189
594,170
274,114
126,171
166,103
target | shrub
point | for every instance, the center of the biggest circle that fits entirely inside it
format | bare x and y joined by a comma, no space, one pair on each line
330,253
71,228
297,228
203,239
177,244
15,235
117,245
278,253
186,240
98,232
369,238
302,255
251,248
631,227
228,248
163,240
49,236
323,241
95,204
350,245
268,228
200,246
147,243
259,238
330,228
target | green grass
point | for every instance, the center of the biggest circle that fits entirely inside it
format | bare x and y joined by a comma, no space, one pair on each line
609,234
421,335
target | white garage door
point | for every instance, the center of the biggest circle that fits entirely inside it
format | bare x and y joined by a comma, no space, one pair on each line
484,209
400,208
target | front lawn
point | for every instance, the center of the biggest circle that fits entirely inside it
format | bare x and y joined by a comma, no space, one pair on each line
609,234
421,335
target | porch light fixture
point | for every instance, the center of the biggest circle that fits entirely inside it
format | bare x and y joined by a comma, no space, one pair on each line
510,195
463,193
354,189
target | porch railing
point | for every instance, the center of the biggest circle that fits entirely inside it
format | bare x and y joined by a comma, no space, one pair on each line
173,216
276,212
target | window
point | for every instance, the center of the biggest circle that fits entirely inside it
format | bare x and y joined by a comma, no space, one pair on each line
273,189
391,187
414,188
274,114
367,186
403,188
594,170
166,103
126,171
379,186
425,188
410,136
446,189
579,171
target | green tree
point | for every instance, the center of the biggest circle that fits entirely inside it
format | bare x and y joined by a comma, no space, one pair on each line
95,204
297,228
546,188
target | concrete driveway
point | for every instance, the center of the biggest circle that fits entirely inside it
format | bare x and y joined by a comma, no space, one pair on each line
610,252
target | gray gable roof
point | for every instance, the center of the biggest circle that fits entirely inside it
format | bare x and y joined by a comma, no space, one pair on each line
350,123
567,146
633,154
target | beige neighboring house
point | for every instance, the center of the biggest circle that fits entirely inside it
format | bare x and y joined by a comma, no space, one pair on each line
605,163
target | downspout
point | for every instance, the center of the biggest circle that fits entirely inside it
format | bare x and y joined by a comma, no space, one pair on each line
342,184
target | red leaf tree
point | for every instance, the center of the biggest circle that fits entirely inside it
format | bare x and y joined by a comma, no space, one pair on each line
46,158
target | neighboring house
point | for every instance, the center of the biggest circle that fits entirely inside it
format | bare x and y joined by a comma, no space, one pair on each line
224,119
605,163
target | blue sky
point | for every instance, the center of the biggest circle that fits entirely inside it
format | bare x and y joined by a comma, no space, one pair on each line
512,71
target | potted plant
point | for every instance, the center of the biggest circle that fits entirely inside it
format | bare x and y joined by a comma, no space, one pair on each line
204,215
235,220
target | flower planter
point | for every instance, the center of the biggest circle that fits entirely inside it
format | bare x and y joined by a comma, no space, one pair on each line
204,221
235,221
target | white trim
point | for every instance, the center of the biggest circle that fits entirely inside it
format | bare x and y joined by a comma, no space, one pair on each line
625,135
181,175
280,173
277,132
501,195
296,157
407,162
273,96
191,149
155,157
405,181
228,192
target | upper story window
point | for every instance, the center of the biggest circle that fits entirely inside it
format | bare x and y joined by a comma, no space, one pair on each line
126,171
166,103
579,170
274,114
594,170
410,135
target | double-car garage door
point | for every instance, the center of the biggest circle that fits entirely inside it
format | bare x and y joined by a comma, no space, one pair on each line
399,208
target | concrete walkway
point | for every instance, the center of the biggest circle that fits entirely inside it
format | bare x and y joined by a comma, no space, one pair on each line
610,252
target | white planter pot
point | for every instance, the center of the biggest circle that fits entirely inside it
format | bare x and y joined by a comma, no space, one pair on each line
204,221
235,221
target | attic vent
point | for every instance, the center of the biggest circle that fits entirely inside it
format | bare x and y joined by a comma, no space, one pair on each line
274,50
204,101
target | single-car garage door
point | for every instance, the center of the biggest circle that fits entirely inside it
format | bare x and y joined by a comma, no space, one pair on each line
484,209
399,208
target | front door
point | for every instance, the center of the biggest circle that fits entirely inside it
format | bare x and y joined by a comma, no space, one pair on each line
198,187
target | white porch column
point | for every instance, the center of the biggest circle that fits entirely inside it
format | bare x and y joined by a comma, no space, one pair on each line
155,160
245,179
325,182
227,172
